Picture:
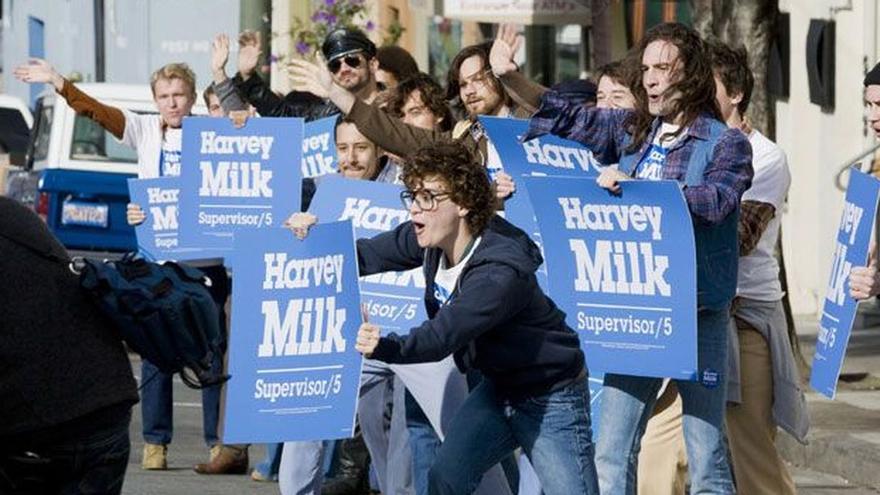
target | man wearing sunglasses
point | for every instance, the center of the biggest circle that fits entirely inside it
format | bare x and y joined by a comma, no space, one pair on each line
351,61
470,81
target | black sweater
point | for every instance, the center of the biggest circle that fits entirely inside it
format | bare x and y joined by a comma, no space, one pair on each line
498,321
60,359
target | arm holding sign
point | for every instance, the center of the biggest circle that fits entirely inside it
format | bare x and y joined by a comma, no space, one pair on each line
134,214
725,180
864,281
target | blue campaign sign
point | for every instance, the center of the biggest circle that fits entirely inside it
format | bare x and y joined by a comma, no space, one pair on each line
235,180
295,316
839,311
518,210
623,268
158,237
319,147
394,299
545,155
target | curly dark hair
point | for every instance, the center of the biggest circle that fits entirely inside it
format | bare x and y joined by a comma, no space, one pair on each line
432,94
454,164
732,67
696,88
479,50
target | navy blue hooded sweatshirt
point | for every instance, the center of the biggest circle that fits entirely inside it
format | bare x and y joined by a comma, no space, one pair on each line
498,320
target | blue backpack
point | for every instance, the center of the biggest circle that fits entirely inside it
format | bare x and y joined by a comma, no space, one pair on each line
164,312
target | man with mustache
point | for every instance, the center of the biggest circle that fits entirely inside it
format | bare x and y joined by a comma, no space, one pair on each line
351,59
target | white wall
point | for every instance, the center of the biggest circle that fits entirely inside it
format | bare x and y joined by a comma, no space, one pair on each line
817,143
69,38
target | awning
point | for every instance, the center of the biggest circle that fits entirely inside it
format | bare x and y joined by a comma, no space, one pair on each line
527,12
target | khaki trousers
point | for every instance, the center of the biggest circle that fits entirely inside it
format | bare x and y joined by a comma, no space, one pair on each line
751,431
663,458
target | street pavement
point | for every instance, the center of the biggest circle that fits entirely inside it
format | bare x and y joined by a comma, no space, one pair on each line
844,438
842,457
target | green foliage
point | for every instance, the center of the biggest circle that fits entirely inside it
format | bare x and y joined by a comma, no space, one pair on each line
330,15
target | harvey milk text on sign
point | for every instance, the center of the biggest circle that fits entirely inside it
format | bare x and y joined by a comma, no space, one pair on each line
544,155
158,236
295,315
839,311
234,180
394,300
623,269
319,147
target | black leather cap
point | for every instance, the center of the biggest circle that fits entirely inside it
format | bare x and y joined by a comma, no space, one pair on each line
873,77
344,41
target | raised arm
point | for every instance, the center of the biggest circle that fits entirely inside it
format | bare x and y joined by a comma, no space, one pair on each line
386,131
229,98
524,91
252,87
38,71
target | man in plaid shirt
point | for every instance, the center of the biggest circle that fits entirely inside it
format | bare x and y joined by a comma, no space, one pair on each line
674,133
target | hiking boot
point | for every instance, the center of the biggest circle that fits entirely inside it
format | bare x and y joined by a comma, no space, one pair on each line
226,459
352,476
155,457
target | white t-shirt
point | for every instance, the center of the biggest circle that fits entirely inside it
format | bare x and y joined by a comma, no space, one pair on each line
651,166
158,152
447,277
758,276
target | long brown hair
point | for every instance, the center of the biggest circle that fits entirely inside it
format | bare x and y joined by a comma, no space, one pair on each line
696,88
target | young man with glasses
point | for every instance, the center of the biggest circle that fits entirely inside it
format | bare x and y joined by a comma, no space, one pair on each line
487,310
351,59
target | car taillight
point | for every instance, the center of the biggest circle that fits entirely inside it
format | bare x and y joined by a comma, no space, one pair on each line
42,206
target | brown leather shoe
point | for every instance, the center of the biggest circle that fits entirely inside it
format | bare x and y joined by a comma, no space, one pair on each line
229,460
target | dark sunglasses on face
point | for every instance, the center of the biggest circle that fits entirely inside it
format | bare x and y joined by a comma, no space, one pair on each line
353,61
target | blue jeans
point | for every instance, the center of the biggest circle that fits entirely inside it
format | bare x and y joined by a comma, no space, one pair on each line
157,406
627,403
423,442
553,429
90,464
156,387
268,467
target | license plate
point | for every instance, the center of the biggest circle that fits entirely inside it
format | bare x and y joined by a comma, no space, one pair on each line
85,214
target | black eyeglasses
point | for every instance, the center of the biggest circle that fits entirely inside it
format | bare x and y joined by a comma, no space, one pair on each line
353,61
425,199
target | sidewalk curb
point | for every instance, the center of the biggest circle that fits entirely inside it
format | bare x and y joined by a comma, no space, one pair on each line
834,448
